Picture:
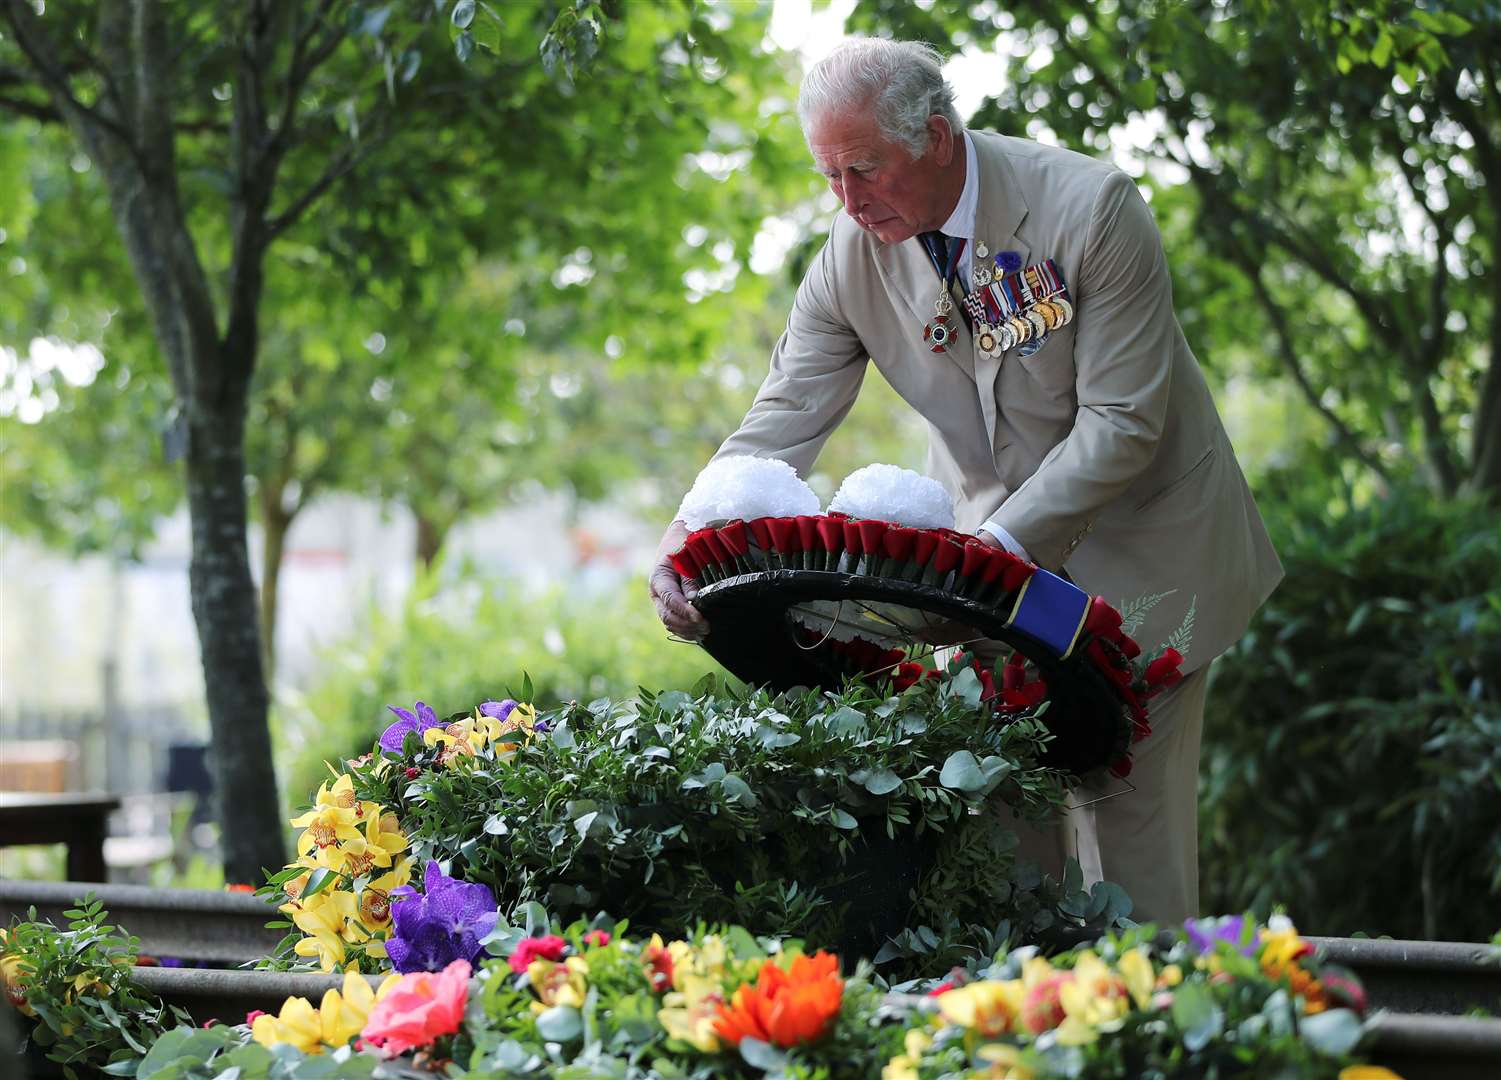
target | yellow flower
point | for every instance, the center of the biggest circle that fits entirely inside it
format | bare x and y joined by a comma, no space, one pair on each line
1367,1072
1036,969
13,973
1005,1062
332,819
374,848
340,1017
689,1014
327,919
298,1024
989,1007
1095,999
1140,979
905,1065
559,984
1171,976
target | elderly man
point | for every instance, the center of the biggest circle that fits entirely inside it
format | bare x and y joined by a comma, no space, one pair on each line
1065,412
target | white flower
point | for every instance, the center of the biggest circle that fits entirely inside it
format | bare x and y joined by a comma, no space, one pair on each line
746,487
890,493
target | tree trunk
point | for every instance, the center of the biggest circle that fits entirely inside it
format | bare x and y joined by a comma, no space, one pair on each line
430,537
224,608
276,522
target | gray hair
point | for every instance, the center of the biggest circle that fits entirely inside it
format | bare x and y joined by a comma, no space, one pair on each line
900,81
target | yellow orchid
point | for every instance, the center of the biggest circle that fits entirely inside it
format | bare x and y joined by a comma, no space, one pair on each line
13,973
1367,1072
689,1014
905,1065
1005,1062
333,818
563,983
373,848
328,921
375,901
1140,979
989,1007
1036,969
1098,994
337,1021
1171,976
298,1024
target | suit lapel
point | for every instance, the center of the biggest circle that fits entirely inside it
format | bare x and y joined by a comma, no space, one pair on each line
907,267
997,219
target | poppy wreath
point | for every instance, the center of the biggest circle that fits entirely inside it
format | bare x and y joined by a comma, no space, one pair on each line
958,565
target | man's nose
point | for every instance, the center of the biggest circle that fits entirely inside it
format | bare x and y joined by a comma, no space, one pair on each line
854,195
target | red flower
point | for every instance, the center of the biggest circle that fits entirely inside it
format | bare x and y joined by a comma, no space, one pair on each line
899,542
597,937
906,674
785,1007
924,546
239,888
734,539
546,948
784,534
1102,619
685,564
831,534
947,555
252,1014
807,532
1042,1008
761,530
659,967
871,534
851,529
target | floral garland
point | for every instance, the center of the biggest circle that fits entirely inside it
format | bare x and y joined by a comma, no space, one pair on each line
942,558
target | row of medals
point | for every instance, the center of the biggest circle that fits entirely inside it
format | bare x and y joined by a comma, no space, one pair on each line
1044,315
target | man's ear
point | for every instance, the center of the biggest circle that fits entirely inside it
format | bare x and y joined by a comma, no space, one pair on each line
940,140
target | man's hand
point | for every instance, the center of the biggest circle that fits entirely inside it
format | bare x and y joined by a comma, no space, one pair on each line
667,589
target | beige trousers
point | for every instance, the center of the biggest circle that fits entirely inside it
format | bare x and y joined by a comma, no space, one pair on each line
1145,840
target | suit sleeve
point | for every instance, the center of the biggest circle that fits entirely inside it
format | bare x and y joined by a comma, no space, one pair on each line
1123,349
816,370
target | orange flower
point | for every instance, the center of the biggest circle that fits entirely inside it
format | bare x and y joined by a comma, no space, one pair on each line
785,1007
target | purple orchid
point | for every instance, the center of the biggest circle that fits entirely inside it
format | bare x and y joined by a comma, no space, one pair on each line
1206,934
446,922
498,709
392,738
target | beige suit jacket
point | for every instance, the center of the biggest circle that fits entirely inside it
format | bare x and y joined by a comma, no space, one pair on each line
1101,452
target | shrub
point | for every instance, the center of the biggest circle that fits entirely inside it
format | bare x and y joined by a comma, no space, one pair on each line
810,814
1354,734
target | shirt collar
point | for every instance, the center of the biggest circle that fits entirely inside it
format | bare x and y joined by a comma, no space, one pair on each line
962,221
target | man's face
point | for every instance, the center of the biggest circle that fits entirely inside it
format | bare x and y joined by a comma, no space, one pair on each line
882,188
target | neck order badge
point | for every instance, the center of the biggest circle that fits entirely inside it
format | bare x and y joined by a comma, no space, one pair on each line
937,333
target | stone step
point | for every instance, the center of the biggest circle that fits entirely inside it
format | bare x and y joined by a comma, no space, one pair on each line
190,924
1438,977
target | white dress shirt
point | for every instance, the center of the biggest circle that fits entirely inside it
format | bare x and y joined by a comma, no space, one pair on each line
961,224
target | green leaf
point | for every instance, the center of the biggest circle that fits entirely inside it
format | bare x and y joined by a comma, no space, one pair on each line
463,46
882,782
846,721
561,1023
737,790
463,14
763,1056
318,880
961,772
843,820
1334,1032
1197,1015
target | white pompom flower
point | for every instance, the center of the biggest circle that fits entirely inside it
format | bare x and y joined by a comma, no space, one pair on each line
746,487
891,493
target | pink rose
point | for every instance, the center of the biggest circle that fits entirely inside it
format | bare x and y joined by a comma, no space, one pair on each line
418,1008
534,948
